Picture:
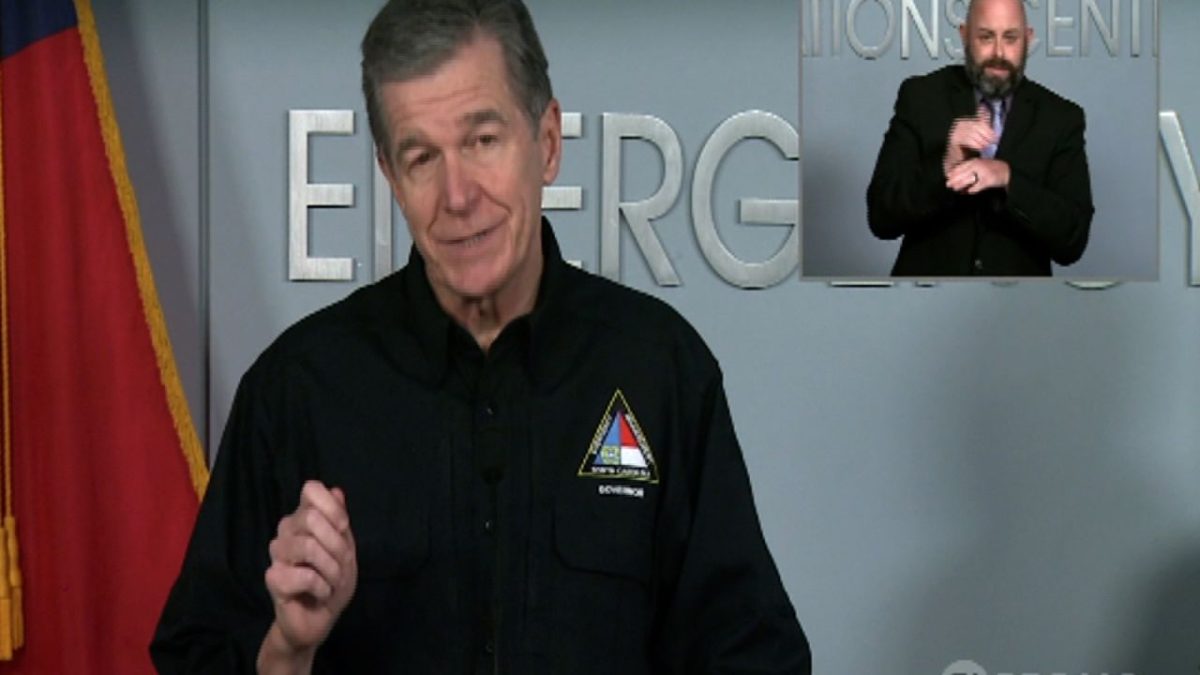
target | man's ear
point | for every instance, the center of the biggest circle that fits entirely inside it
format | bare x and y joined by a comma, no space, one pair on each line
550,141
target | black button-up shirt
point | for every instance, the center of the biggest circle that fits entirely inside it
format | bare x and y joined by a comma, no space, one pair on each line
572,501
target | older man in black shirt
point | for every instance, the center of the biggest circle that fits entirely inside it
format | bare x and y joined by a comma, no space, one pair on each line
489,461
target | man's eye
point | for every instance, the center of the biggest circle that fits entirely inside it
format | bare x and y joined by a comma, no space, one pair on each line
486,140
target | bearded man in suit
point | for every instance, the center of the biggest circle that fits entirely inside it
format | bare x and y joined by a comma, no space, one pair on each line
983,172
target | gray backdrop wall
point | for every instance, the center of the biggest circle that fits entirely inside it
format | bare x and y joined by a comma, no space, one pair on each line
1005,474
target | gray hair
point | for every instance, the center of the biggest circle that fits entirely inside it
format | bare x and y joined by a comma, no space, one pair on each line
412,38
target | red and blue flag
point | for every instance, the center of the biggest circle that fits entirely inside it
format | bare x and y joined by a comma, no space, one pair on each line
101,464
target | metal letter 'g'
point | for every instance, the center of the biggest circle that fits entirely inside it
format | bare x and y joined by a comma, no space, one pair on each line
750,124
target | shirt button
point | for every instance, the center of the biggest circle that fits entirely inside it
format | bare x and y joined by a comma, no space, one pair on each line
489,647
978,265
488,526
489,409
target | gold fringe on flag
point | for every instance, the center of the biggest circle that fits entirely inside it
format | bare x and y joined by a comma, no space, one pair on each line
181,415
12,625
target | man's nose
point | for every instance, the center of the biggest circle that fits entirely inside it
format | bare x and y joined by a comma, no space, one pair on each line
458,185
998,50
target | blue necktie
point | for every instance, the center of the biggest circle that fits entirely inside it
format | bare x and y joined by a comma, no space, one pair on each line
996,105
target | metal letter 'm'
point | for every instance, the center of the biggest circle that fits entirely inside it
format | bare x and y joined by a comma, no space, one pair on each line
638,214
750,124
302,194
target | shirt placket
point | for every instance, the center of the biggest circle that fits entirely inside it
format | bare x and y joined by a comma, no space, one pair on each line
495,404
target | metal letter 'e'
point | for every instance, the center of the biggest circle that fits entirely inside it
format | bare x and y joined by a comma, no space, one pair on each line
302,194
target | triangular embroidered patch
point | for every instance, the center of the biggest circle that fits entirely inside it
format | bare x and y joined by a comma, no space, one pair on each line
619,448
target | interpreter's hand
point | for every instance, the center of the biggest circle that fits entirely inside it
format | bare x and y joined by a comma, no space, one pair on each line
976,175
313,573
968,137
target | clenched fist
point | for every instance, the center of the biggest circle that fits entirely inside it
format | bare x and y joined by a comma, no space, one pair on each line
313,573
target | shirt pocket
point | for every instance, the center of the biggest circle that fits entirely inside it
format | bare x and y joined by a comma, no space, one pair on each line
602,586
603,529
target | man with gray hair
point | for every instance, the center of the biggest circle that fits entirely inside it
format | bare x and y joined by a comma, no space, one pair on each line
489,461
982,171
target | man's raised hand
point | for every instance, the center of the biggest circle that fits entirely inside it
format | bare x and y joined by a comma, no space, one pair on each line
968,137
313,574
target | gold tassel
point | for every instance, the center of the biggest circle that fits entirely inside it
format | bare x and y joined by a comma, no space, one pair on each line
6,615
15,582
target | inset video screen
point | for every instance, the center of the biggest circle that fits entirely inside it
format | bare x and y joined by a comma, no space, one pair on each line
1030,153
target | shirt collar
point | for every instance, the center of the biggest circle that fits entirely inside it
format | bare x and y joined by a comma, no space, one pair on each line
433,329
1007,99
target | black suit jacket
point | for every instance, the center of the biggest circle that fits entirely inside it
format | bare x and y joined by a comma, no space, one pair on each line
1044,215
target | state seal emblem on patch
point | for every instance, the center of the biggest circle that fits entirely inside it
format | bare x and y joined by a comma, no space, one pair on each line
619,448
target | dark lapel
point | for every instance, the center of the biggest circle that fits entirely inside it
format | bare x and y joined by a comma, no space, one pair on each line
1020,118
960,93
